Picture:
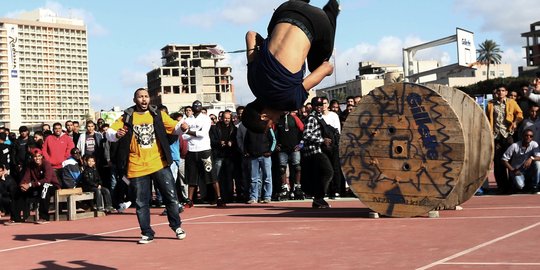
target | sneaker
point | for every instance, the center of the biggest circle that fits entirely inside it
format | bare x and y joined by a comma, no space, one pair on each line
252,201
146,239
267,200
188,203
334,196
479,192
220,203
42,221
12,222
284,192
110,210
298,193
180,234
124,206
319,204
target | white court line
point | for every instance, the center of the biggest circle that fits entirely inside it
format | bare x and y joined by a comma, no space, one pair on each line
490,263
459,254
97,234
186,221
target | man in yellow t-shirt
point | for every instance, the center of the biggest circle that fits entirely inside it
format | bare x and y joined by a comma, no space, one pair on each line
143,156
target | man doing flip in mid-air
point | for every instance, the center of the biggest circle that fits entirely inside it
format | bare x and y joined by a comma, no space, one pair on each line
276,65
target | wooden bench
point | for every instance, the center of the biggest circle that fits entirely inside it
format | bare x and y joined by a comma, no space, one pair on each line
71,197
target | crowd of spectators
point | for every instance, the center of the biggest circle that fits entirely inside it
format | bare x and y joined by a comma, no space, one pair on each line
241,166
244,167
513,117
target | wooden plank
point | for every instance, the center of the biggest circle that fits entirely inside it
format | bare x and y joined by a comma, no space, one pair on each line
478,145
69,191
402,149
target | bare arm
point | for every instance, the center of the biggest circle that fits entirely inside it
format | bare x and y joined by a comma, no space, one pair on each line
253,39
315,77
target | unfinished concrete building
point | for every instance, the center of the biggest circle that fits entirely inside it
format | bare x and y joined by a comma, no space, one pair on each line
191,72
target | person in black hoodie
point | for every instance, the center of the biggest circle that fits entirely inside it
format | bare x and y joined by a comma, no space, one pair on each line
91,182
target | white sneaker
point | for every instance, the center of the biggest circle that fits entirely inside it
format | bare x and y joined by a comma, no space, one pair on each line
124,206
180,234
146,239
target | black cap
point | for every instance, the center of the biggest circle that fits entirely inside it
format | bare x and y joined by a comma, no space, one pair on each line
317,101
23,129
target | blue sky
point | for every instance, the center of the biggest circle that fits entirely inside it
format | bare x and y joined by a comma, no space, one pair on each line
125,37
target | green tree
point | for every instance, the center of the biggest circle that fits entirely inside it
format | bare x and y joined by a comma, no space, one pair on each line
489,53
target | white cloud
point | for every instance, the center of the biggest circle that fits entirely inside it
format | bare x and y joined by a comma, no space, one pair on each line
133,79
240,12
508,18
94,28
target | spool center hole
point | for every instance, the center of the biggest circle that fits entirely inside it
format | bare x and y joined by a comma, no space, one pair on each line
398,149
406,167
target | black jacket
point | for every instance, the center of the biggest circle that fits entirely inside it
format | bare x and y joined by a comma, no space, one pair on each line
122,153
219,132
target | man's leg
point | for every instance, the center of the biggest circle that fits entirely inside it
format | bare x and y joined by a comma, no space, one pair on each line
324,34
499,170
44,203
267,178
98,197
255,180
192,176
535,179
141,189
324,175
164,181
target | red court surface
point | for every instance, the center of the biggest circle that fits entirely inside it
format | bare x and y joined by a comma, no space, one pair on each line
491,232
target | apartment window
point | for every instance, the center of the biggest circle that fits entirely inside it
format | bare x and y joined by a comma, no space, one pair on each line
501,73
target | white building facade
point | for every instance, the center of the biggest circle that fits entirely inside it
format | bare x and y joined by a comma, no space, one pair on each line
43,69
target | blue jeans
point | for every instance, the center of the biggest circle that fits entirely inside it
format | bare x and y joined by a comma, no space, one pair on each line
261,169
141,187
533,173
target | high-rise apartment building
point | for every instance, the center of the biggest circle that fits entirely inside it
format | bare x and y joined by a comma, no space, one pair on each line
43,69
191,72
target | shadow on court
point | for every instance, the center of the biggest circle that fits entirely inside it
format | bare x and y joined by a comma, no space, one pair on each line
75,236
304,212
81,265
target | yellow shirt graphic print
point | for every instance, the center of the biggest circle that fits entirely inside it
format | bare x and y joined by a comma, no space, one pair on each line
144,134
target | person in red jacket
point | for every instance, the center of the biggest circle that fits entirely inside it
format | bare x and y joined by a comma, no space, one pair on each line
40,179
57,148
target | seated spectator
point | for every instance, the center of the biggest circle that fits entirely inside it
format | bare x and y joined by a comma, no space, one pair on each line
6,189
40,181
532,122
72,169
91,182
522,161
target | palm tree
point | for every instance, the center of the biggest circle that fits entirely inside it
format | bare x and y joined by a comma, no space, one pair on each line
489,53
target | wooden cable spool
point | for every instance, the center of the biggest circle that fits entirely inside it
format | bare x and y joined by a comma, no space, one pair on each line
403,150
479,146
